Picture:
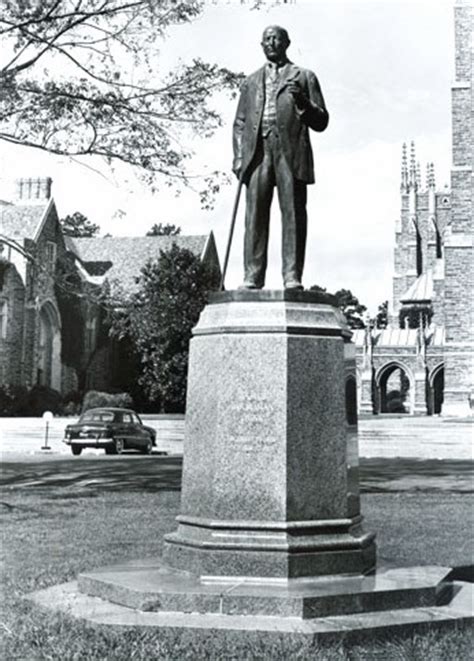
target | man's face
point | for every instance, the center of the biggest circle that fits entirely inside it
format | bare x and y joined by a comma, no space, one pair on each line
274,44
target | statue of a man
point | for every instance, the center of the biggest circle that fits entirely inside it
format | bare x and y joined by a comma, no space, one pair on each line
272,147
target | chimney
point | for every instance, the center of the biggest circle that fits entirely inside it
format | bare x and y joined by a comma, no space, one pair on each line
33,189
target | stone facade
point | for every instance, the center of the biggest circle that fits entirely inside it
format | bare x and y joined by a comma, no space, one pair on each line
30,350
459,255
51,326
429,369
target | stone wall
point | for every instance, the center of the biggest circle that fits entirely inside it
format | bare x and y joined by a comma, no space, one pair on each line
459,253
13,292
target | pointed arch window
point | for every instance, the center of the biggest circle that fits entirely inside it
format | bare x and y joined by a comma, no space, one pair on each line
3,318
439,243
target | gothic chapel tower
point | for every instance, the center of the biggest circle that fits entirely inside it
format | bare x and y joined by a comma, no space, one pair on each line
458,240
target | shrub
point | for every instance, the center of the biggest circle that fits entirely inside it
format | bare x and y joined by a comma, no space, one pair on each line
12,400
395,402
72,403
95,399
41,399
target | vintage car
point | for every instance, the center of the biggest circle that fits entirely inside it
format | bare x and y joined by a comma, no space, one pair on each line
113,429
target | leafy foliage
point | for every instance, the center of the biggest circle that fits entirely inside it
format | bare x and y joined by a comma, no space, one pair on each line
20,401
95,398
164,229
12,399
65,88
349,304
77,225
159,319
381,318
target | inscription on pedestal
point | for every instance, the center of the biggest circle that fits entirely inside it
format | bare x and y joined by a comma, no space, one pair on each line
250,425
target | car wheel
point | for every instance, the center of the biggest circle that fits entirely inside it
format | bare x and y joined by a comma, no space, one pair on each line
119,445
76,450
148,449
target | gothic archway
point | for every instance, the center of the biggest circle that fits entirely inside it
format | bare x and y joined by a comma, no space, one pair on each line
436,390
394,389
351,400
48,364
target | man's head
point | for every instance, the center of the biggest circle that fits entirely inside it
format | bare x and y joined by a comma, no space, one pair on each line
275,41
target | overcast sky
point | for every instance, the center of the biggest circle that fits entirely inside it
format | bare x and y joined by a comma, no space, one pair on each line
385,68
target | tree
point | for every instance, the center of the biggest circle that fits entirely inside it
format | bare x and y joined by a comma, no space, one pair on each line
65,89
381,318
161,229
78,226
349,304
158,320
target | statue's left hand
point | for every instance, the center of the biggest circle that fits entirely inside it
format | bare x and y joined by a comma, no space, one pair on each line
299,96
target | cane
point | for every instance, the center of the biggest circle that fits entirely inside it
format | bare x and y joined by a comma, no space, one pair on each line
231,232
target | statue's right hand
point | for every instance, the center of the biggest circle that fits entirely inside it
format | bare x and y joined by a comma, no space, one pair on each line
237,170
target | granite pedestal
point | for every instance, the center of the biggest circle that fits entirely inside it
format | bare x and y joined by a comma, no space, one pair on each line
269,477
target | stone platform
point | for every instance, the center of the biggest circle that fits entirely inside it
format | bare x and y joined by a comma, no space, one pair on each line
154,586
394,604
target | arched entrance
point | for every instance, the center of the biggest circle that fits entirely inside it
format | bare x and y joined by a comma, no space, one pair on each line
48,365
436,390
351,400
394,389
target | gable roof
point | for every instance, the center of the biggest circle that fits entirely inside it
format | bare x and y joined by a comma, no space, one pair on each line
421,291
22,221
120,259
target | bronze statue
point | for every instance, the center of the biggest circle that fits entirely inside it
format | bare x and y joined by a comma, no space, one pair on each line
271,147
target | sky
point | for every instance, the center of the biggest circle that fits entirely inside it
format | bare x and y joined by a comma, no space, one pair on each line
385,68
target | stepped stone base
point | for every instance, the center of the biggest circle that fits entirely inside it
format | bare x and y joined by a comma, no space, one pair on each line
274,619
154,586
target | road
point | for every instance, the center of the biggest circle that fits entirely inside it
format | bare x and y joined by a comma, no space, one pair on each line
26,436
379,437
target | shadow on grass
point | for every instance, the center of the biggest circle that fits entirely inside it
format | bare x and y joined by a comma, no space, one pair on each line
88,477
380,475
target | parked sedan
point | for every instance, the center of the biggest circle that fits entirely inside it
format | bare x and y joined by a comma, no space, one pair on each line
113,429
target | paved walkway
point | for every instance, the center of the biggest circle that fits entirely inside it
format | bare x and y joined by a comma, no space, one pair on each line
419,438
379,436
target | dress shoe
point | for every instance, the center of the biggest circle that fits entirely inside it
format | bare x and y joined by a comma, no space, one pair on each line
250,285
293,284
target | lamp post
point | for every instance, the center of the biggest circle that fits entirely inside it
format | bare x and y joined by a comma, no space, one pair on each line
47,417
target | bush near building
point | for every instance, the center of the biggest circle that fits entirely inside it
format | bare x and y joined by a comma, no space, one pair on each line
96,399
16,401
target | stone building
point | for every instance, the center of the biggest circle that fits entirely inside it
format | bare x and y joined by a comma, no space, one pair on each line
424,361
30,326
51,330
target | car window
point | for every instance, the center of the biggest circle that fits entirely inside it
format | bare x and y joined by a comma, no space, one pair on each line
97,416
136,419
127,418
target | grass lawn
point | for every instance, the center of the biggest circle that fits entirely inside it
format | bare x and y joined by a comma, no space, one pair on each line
50,535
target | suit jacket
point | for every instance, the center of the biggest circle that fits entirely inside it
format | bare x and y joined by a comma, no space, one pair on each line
292,123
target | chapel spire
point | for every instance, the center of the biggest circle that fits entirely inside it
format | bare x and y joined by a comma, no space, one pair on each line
404,173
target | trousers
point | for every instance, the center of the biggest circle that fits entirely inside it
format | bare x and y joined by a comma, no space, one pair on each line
269,169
